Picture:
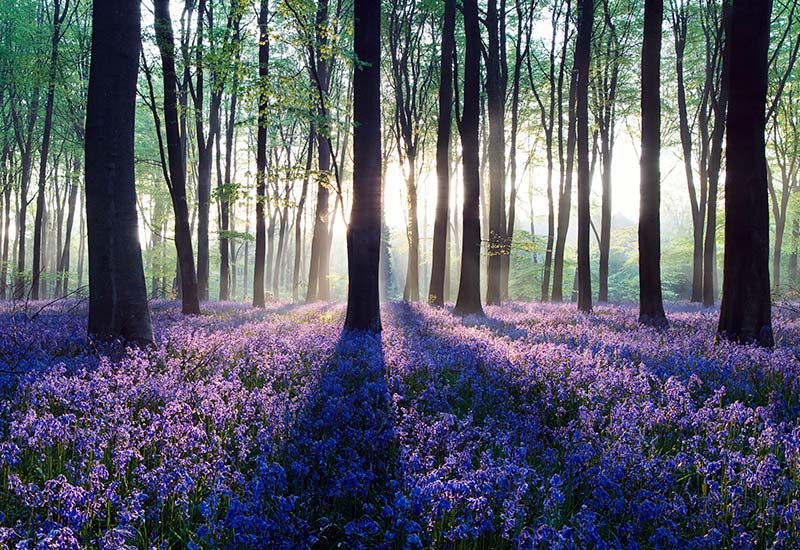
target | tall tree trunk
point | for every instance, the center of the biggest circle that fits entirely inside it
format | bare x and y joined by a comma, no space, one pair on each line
495,106
25,146
651,307
411,291
318,285
6,228
792,257
715,163
582,60
117,290
261,155
745,314
469,288
298,227
364,229
60,13
64,261
177,172
565,195
226,193
679,17
436,294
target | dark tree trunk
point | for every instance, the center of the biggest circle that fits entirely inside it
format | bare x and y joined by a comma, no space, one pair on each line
565,195
25,146
261,155
469,288
205,145
495,106
227,195
117,290
436,294
582,60
6,227
177,172
318,285
745,314
60,12
651,307
720,106
680,26
364,229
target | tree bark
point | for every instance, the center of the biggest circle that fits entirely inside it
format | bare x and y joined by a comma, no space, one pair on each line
495,106
436,294
745,313
364,229
720,105
117,290
582,60
651,307
469,289
261,156
176,176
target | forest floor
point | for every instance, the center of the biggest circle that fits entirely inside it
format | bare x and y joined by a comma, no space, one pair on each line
535,427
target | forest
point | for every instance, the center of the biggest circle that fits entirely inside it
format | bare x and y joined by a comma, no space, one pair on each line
399,274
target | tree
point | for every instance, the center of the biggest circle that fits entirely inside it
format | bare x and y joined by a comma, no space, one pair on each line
651,308
553,73
716,31
412,77
364,229
436,292
582,60
496,84
175,175
608,79
469,288
679,14
117,292
565,165
62,13
261,154
745,314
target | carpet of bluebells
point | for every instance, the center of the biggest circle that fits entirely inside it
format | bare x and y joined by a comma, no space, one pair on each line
536,427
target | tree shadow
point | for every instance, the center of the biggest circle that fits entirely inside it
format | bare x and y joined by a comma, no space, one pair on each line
333,479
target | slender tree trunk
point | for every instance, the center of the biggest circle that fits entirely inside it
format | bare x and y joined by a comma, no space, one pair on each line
436,294
714,165
261,155
226,193
792,257
582,60
60,12
298,227
495,106
605,214
6,229
469,289
117,290
364,229
565,197
177,172
318,285
745,313
680,29
64,261
411,291
651,307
